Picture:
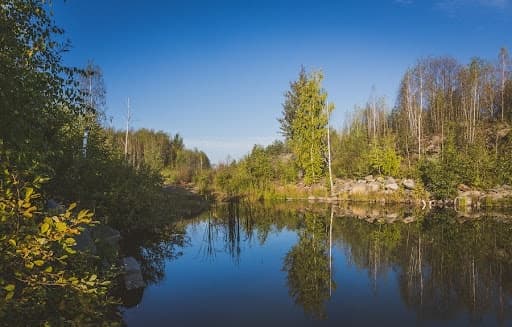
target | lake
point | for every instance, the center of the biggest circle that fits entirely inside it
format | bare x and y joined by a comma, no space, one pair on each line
319,265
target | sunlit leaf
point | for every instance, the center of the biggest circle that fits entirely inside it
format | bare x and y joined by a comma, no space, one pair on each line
60,226
44,227
39,263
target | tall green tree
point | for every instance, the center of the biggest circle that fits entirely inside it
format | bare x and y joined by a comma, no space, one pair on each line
291,104
306,124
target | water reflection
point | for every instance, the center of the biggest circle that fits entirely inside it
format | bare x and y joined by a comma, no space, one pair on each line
308,266
443,265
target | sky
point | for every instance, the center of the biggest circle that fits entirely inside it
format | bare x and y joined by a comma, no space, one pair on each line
216,71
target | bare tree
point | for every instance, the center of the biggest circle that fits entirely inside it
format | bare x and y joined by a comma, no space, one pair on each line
93,90
504,58
128,121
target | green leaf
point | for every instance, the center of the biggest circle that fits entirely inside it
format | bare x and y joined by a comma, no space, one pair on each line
49,269
9,287
70,241
9,296
69,250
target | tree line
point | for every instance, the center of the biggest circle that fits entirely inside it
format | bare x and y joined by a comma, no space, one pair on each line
450,124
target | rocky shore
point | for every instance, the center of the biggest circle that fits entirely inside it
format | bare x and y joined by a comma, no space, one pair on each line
387,189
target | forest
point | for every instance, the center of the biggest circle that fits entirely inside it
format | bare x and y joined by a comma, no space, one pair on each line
64,168
449,126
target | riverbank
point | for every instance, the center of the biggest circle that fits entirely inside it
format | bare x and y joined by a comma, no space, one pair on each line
382,190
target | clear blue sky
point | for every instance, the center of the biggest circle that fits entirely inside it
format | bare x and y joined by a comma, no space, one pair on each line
216,71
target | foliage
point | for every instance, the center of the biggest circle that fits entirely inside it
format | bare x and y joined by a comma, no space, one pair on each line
46,279
383,159
305,121
291,105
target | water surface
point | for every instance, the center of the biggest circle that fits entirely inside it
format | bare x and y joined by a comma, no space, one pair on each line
316,265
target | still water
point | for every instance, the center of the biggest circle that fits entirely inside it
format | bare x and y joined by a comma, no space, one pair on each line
317,265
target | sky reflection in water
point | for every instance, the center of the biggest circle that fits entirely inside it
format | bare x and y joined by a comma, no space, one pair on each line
292,264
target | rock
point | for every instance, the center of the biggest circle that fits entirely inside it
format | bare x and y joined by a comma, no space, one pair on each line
409,184
107,234
409,219
132,274
392,216
85,242
361,181
358,189
467,199
373,187
392,187
380,179
463,188
55,207
390,180
369,178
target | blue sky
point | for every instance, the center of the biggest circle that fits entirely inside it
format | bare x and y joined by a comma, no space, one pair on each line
216,71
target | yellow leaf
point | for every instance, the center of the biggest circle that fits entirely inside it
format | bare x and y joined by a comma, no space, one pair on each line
60,226
28,193
93,278
39,263
29,265
49,269
72,206
27,214
44,227
12,242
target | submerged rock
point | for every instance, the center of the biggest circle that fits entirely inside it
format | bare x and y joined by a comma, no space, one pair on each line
132,274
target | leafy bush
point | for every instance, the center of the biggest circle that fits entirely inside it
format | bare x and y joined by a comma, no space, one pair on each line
44,279
438,180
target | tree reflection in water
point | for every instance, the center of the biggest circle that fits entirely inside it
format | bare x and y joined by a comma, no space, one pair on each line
445,265
308,266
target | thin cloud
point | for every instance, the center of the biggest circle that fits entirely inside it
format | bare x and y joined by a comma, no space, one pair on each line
403,2
218,149
452,5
